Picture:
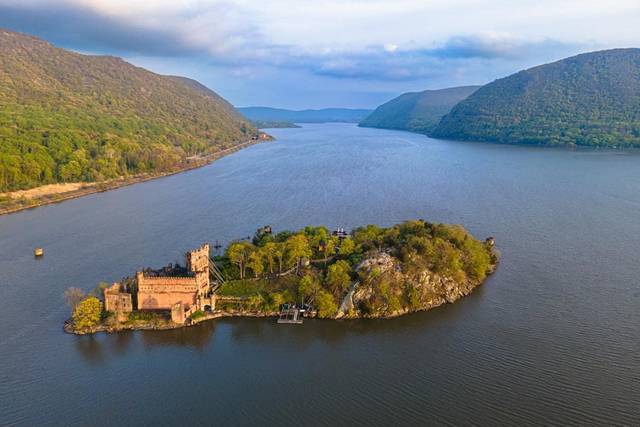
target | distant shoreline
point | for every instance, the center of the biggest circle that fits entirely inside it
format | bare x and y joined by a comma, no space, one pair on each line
21,204
565,147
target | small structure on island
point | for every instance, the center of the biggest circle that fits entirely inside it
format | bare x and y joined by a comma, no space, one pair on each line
263,231
340,233
182,290
490,241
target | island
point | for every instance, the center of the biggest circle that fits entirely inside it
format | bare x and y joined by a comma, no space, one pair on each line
371,272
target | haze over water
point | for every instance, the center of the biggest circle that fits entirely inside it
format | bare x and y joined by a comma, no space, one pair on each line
552,337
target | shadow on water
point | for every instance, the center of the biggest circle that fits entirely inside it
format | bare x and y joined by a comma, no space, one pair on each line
91,349
98,349
265,332
198,337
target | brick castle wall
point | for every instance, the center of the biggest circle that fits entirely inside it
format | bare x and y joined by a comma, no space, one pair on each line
163,293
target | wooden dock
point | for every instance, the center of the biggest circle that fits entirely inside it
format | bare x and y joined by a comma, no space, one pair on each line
290,315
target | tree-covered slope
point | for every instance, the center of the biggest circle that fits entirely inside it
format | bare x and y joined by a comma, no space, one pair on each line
417,111
70,117
591,99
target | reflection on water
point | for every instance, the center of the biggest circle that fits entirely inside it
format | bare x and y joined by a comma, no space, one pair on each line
91,348
96,349
198,337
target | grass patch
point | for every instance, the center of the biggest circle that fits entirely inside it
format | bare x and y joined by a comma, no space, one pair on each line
144,315
196,315
242,288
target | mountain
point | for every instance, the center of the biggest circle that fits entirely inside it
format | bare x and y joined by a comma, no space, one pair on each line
267,114
591,99
70,117
417,111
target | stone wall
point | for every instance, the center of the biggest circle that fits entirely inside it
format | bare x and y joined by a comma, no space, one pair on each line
117,300
164,292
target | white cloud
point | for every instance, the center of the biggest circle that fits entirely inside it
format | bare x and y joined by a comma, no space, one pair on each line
402,44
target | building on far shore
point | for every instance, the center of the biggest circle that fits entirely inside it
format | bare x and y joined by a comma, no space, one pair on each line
181,290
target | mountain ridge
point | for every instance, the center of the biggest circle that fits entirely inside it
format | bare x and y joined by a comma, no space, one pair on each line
591,99
417,111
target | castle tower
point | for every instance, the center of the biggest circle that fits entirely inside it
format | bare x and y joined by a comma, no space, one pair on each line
198,259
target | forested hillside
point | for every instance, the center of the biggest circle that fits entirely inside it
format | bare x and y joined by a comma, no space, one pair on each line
69,117
417,111
591,99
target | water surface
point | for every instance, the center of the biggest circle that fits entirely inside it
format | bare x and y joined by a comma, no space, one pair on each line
553,337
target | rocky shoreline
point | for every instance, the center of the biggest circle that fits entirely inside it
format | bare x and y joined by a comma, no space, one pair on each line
158,324
452,295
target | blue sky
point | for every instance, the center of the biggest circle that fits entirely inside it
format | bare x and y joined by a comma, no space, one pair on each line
338,53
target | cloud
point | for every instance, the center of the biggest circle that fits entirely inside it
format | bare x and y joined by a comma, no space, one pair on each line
393,62
222,34
497,46
340,45
81,28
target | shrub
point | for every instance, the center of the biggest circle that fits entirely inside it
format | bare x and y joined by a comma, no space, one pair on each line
142,315
196,315
87,313
326,305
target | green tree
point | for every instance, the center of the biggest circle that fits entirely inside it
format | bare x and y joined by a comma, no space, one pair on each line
280,252
347,247
330,247
276,299
476,259
309,287
369,237
87,313
297,247
315,235
256,262
238,253
338,278
270,251
255,302
326,304
447,259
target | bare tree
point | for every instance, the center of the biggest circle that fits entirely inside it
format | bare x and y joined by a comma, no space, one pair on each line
73,297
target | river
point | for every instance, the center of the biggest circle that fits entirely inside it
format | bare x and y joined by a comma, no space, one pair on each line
553,337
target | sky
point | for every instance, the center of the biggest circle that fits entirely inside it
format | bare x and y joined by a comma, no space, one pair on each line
329,53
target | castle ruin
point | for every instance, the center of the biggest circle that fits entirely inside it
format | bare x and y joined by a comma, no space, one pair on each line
117,299
180,290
